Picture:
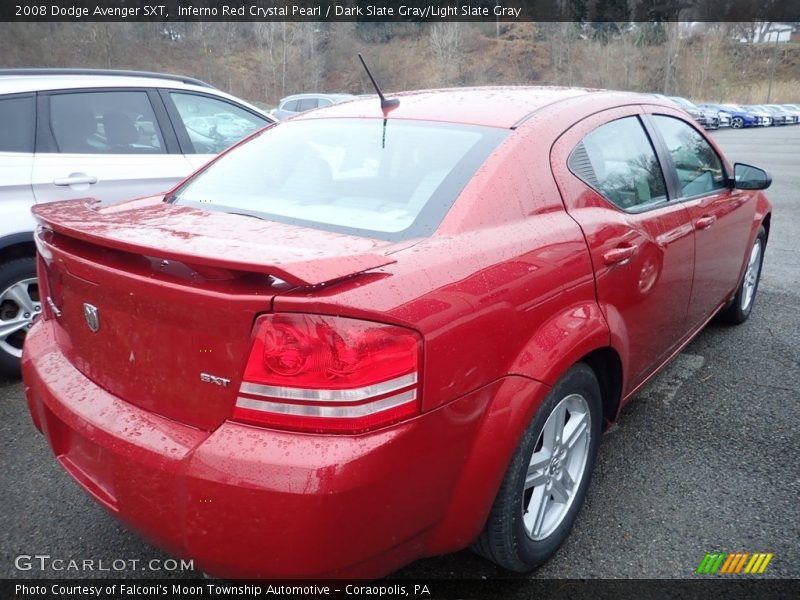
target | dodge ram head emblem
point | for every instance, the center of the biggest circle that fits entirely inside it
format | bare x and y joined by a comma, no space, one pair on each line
92,317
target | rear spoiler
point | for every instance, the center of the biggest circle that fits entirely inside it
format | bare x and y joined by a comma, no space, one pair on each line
201,240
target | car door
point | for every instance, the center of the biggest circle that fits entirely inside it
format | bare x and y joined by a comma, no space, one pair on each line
721,216
640,241
110,144
206,125
17,118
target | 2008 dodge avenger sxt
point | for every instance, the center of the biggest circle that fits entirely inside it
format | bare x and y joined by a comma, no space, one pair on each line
375,333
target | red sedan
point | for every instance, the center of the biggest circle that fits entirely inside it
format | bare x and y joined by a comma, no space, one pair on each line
368,335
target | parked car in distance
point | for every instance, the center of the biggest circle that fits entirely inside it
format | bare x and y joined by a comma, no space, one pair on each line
778,117
794,110
740,118
369,335
112,135
790,117
763,117
297,103
724,117
708,119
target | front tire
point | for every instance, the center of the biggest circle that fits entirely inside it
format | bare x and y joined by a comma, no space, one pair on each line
739,309
546,482
737,122
19,306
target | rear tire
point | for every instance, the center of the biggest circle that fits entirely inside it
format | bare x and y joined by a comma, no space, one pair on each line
739,309
546,482
19,306
737,122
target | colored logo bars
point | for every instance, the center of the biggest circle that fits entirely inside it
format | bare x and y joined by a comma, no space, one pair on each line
727,563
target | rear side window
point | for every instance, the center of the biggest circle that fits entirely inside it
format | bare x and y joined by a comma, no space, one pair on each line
618,160
307,104
699,168
211,124
390,180
16,124
105,123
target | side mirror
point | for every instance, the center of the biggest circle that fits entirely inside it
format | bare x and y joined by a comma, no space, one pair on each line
748,177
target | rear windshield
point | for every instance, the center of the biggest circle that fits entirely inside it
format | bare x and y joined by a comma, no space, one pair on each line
392,180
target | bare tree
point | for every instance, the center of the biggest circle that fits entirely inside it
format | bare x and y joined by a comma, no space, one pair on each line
445,38
267,37
670,54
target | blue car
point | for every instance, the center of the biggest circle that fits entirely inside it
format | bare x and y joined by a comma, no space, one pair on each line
739,116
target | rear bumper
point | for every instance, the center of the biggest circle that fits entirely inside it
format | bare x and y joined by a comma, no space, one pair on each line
246,502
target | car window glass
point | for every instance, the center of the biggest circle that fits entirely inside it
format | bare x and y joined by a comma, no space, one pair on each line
105,123
212,124
699,168
389,180
291,105
16,124
618,160
307,104
324,102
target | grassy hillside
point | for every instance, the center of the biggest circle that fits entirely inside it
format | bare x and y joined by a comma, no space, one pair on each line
265,61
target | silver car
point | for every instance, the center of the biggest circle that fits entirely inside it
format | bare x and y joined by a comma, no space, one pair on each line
291,105
111,135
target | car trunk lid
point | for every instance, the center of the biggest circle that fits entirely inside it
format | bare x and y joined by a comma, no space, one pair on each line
155,303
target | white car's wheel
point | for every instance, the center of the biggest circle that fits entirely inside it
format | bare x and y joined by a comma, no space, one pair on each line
19,306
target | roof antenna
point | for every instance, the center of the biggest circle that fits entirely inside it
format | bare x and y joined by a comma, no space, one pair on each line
387,104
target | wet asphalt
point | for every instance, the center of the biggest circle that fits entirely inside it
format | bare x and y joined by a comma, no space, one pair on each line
706,459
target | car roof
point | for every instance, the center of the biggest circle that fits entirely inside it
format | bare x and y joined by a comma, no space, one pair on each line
15,84
17,81
490,106
31,80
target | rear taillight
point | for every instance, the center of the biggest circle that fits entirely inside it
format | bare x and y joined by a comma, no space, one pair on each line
50,283
329,374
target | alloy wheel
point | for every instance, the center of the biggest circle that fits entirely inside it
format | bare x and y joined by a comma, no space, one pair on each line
19,306
557,467
751,276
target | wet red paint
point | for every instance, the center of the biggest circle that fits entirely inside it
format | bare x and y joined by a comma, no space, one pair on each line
512,289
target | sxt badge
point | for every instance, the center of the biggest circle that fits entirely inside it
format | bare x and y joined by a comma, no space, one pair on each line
208,378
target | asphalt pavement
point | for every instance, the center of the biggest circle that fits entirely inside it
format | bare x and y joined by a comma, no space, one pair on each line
705,459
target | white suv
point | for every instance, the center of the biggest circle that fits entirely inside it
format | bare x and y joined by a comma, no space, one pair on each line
110,135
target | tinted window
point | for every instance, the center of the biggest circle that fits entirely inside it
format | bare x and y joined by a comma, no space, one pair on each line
618,160
212,124
699,168
105,123
16,124
307,104
291,105
390,180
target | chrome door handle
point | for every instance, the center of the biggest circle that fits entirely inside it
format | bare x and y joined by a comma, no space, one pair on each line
75,179
619,256
705,222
